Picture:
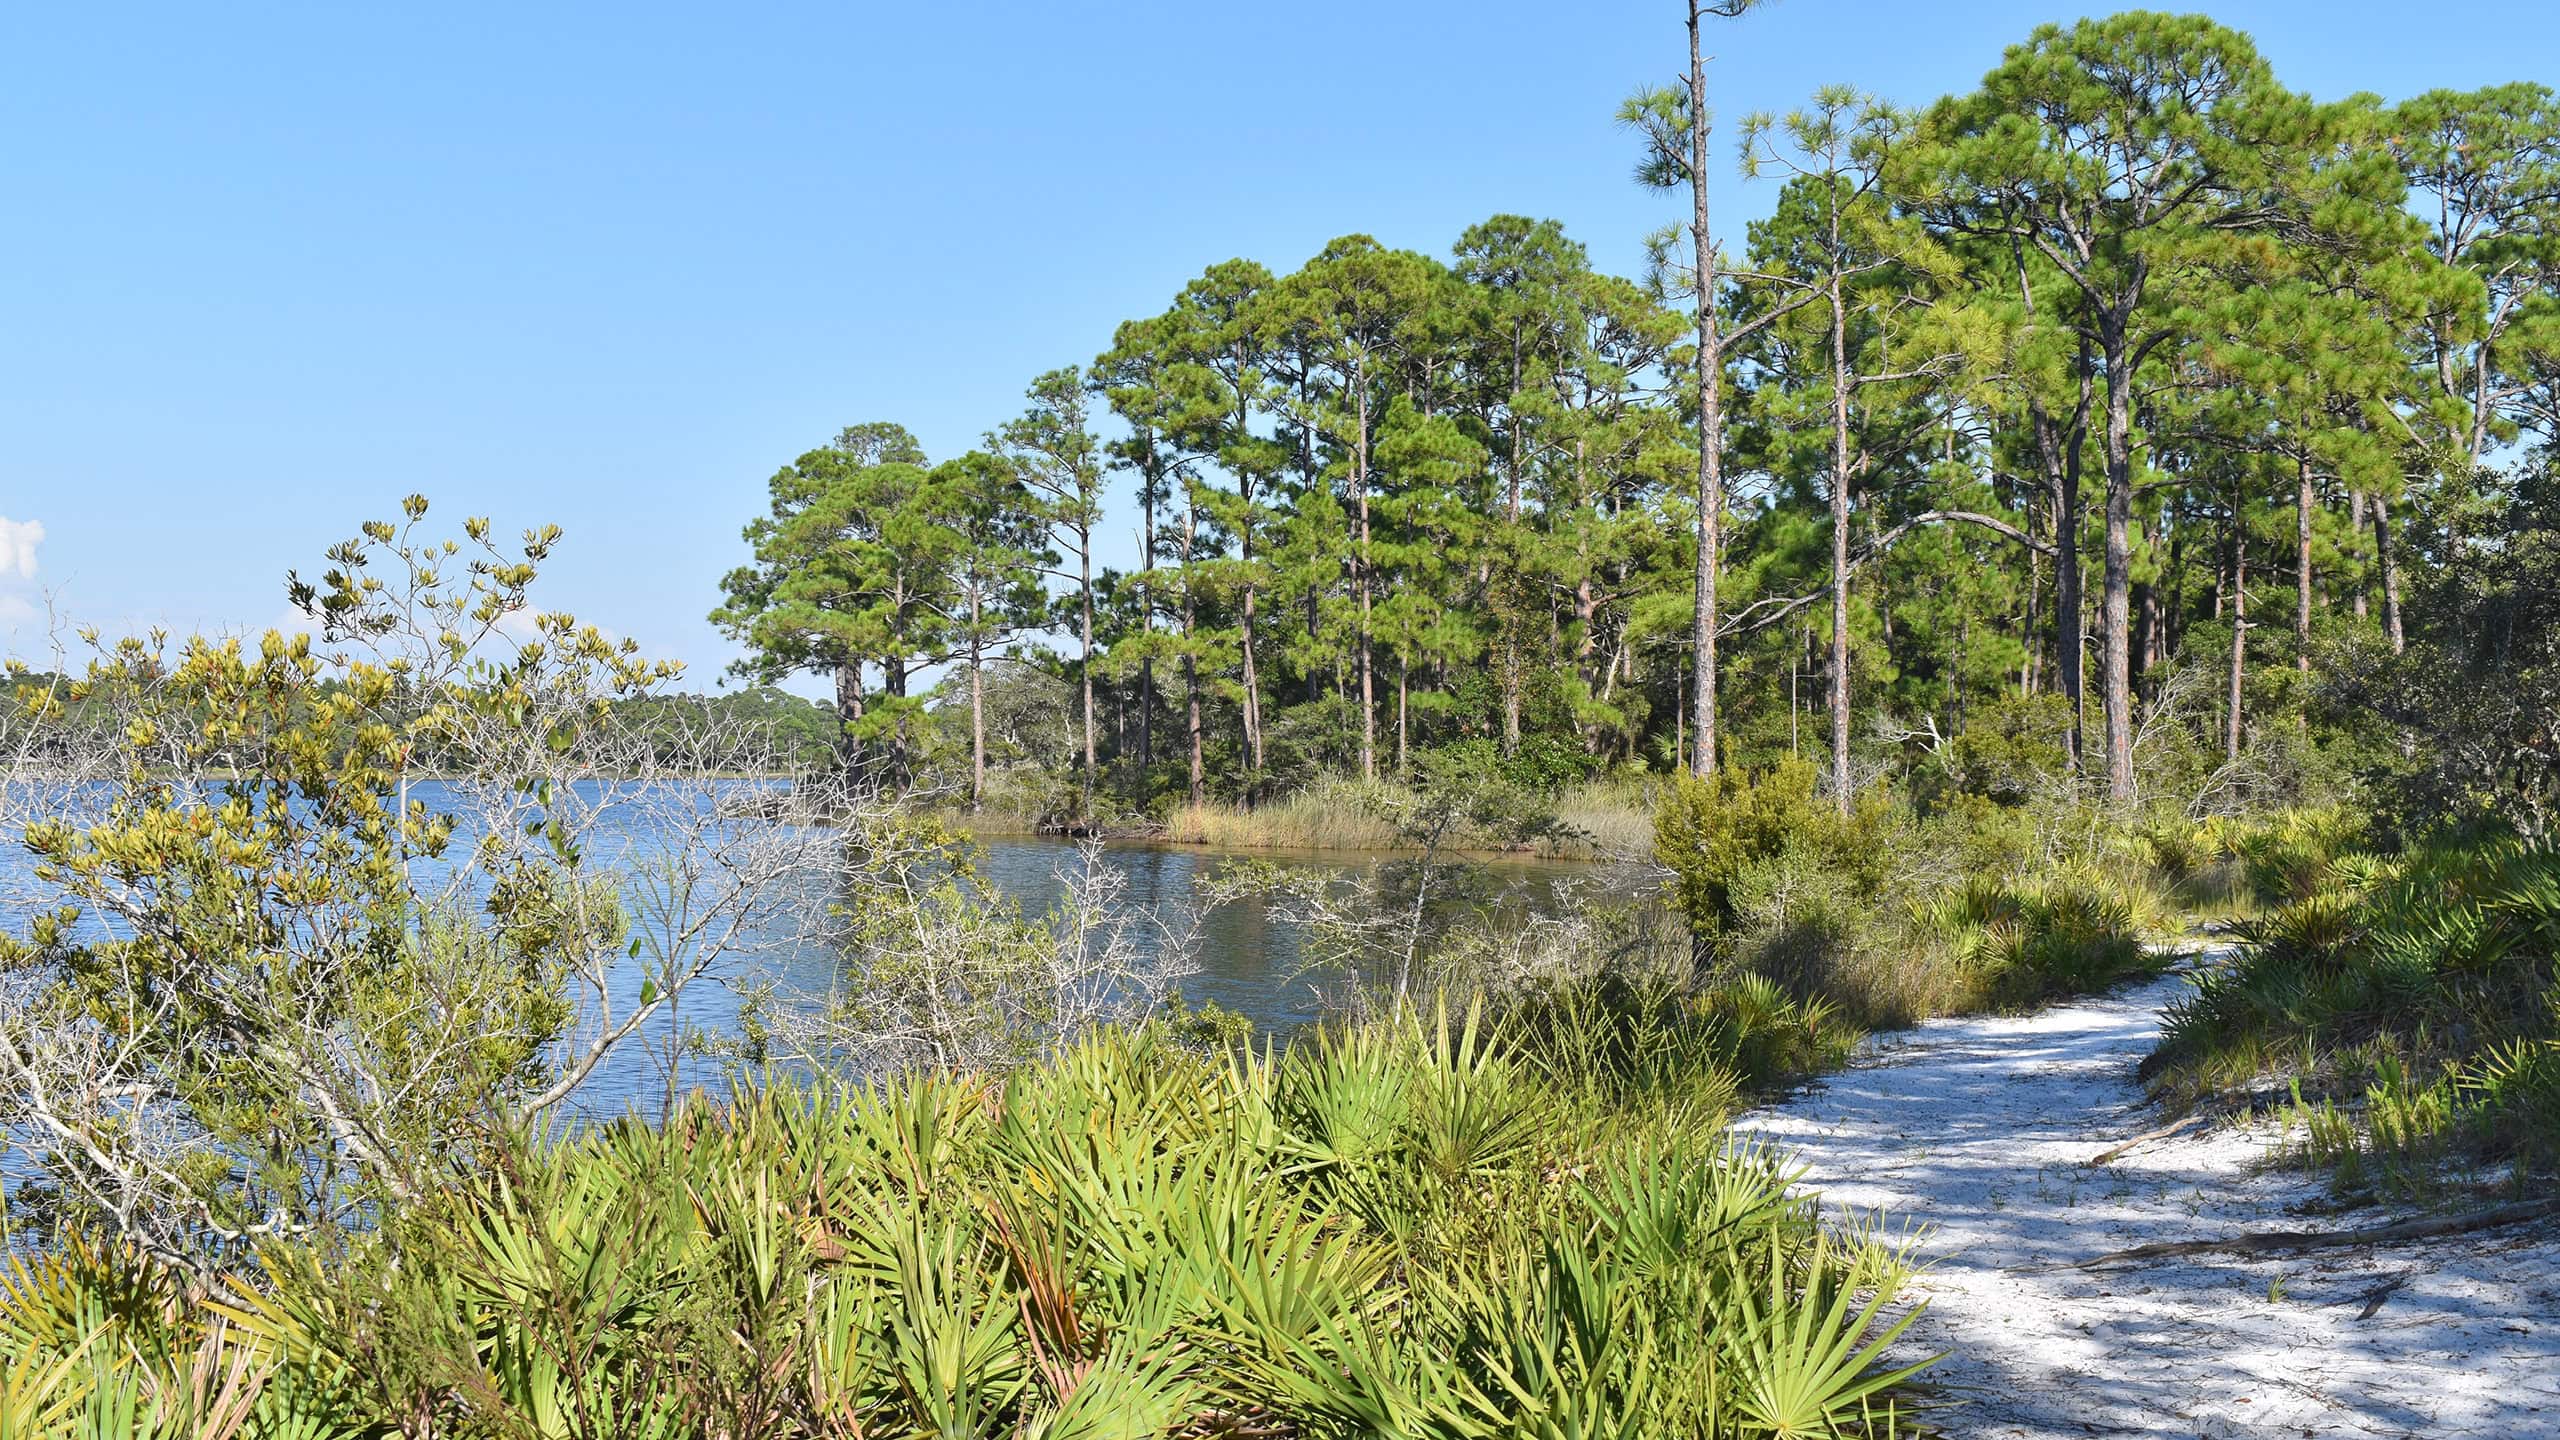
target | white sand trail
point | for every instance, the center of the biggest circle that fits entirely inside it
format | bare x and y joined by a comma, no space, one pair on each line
1982,1129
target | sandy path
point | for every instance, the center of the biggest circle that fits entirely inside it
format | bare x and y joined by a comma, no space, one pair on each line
1981,1129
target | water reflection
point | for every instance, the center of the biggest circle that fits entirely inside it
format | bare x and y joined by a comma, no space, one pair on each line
1250,956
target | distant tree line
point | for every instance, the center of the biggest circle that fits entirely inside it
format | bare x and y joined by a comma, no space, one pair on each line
2094,403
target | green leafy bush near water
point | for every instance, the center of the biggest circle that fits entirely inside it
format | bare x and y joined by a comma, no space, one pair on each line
2407,1002
1422,1226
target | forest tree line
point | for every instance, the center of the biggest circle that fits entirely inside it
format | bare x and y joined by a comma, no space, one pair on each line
2090,409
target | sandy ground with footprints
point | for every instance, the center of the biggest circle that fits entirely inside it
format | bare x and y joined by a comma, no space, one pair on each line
1981,1129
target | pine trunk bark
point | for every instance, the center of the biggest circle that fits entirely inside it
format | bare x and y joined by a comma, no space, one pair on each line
1084,581
1710,424
977,705
1404,670
2239,643
2390,574
1146,630
1839,538
849,719
1199,792
1244,549
1360,563
2302,503
2115,602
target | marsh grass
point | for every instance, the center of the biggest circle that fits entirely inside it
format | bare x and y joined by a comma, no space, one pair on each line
1597,820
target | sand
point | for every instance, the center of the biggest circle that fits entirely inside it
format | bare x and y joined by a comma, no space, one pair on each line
1979,1131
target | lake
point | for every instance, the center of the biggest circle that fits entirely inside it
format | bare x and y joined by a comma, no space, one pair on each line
1249,954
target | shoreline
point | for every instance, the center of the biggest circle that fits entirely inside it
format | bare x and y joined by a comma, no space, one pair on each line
981,827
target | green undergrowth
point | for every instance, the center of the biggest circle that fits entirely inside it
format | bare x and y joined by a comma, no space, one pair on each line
1529,1224
1888,915
2404,1006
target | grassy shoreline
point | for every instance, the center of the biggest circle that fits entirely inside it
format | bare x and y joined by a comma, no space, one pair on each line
1601,821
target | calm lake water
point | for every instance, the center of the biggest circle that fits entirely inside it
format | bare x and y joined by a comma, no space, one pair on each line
1249,956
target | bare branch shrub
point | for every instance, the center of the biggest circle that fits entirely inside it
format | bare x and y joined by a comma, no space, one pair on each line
942,973
313,918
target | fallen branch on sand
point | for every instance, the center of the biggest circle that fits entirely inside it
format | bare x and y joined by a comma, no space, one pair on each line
2261,1241
2374,1297
2174,1127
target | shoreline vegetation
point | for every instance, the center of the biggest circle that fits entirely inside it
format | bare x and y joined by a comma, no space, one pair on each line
1595,821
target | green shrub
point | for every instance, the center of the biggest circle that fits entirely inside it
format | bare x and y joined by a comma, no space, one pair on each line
1709,832
2286,856
1434,1224
2014,749
2066,933
2419,989
1891,918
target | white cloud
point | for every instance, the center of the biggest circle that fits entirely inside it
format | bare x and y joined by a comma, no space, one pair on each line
18,542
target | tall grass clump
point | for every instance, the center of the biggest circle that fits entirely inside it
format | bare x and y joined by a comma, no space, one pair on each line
1428,1225
1550,810
2019,943
2407,1004
2286,857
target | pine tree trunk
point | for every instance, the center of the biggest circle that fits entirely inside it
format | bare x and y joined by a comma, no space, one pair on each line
2146,630
1252,682
1403,674
1146,631
1710,422
1244,548
1360,563
2115,608
849,719
977,701
2390,573
1084,578
2302,502
1199,793
2239,640
1839,538
893,683
977,730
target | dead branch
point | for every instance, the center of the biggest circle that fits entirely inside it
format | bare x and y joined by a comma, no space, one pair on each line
2374,1297
2263,1241
2174,1127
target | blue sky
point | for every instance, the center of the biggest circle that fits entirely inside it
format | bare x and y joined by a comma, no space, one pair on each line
265,269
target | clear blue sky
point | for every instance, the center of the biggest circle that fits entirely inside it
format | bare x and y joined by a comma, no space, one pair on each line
265,269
